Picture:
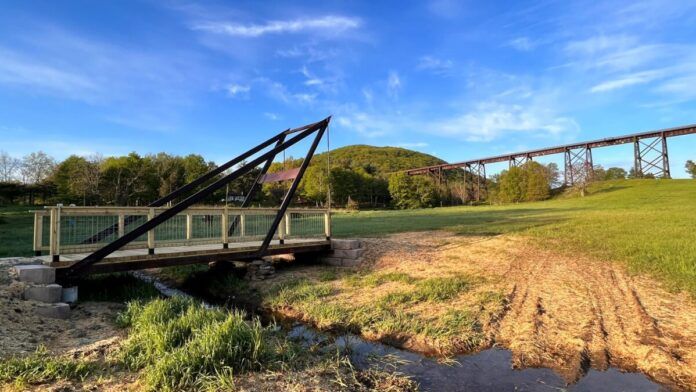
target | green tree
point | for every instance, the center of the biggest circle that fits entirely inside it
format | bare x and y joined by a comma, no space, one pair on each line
345,183
129,180
70,180
536,180
412,191
512,188
615,173
691,168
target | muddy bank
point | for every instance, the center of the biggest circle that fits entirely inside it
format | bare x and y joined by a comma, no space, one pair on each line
569,313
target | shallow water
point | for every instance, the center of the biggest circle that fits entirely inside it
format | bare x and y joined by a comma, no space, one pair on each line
488,370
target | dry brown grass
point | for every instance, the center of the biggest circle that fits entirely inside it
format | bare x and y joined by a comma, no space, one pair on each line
564,311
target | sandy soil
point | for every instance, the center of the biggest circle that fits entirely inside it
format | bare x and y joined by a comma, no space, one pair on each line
566,312
21,332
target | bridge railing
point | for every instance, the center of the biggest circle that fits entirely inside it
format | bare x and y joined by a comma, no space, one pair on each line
64,230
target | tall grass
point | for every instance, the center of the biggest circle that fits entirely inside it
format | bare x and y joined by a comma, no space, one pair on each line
42,367
391,314
179,344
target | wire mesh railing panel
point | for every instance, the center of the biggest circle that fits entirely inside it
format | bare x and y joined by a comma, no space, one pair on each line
256,227
45,231
206,227
173,229
135,221
306,225
81,231
234,231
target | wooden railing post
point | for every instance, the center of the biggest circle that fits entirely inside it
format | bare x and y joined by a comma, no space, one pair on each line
287,224
225,228
55,234
121,224
327,224
189,226
38,232
242,225
151,234
281,230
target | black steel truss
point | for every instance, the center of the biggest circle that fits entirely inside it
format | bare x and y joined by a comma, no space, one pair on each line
478,189
625,139
578,165
319,128
519,160
651,159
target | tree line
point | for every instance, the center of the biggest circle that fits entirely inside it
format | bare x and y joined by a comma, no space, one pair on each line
357,177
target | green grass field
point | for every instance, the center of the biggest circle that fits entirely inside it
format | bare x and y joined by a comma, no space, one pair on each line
16,231
648,224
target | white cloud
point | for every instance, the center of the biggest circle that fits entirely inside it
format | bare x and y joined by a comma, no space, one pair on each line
680,88
626,81
235,90
446,8
280,92
490,121
617,52
126,82
22,70
312,80
272,116
368,94
393,84
434,64
329,24
600,43
523,44
366,124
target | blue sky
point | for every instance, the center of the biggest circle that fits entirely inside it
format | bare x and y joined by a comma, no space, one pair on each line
459,80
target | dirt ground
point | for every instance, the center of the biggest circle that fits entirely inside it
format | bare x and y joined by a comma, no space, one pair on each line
566,312
90,333
21,332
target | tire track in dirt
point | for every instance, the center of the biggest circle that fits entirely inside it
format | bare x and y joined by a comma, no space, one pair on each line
568,312
577,314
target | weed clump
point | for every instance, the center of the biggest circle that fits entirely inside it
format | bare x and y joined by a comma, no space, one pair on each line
179,343
433,290
41,367
375,280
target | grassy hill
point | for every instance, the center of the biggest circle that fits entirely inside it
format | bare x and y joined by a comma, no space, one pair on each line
647,224
382,159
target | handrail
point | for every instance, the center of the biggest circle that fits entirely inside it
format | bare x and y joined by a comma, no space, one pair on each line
295,223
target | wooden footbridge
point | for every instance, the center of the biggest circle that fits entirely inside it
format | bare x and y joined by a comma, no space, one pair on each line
65,235
177,230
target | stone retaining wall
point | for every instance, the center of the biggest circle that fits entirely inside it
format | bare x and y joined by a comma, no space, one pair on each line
344,253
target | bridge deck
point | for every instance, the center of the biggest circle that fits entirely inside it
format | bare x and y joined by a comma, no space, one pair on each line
196,235
132,259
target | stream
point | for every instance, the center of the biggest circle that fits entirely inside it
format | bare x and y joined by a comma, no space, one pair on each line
487,370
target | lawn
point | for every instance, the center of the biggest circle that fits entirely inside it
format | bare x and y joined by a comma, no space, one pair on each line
16,231
648,224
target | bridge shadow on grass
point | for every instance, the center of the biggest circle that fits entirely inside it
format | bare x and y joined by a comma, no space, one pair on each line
487,222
